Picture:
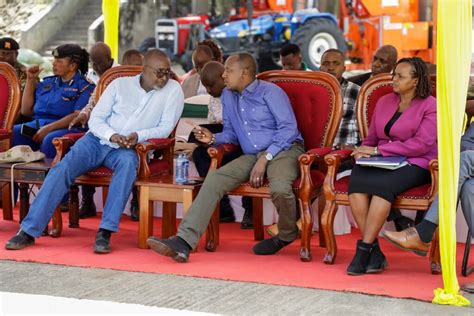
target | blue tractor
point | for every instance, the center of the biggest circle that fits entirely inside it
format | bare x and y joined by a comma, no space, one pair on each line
314,32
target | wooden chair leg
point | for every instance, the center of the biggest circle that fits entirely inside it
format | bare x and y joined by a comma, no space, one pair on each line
257,206
466,270
105,192
327,226
24,200
74,206
435,262
57,228
306,230
7,202
168,227
212,231
145,225
321,205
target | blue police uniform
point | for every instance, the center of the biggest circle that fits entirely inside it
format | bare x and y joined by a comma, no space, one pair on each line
55,99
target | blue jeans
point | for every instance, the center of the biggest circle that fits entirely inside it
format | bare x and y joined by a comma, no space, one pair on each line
87,154
46,146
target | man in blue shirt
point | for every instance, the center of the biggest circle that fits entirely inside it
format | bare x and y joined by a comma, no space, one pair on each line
131,110
257,115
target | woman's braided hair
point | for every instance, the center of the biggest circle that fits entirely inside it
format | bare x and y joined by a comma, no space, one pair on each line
420,72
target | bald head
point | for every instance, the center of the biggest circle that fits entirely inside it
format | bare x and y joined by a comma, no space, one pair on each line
384,60
240,71
101,48
154,55
211,78
156,69
101,58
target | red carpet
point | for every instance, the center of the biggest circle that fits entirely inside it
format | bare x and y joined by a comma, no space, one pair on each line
408,275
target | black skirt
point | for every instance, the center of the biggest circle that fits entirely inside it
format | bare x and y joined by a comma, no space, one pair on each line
387,184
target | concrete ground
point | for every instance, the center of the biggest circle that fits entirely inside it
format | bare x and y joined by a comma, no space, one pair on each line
202,295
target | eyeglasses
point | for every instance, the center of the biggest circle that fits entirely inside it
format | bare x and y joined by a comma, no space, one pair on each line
159,73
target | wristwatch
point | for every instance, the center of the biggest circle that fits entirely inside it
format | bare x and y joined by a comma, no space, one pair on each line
268,156
376,151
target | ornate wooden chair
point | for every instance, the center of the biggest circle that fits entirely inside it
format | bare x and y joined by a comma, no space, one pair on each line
335,191
317,103
10,98
160,164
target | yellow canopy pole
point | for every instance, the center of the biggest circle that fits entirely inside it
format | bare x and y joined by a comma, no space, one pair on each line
453,68
110,10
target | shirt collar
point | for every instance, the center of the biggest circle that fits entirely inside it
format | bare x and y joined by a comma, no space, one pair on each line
252,86
71,81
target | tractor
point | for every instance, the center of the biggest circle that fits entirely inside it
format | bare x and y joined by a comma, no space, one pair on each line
262,33
262,27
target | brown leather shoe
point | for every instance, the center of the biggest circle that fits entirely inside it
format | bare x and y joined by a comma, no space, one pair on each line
408,240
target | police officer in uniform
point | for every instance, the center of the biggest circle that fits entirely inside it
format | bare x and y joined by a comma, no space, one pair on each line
55,101
9,54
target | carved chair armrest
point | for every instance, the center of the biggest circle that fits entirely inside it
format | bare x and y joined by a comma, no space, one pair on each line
333,161
165,145
434,179
63,144
217,153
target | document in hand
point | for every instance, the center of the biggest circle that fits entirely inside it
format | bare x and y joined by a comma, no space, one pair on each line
390,163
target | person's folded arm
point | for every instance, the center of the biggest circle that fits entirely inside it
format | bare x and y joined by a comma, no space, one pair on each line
420,144
98,121
171,114
286,127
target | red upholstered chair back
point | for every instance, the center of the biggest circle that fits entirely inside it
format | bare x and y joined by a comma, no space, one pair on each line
114,73
371,91
10,96
316,100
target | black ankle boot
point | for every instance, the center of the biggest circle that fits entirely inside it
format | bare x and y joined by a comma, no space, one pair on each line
88,208
377,261
361,259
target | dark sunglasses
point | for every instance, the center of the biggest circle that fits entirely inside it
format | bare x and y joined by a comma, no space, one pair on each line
159,73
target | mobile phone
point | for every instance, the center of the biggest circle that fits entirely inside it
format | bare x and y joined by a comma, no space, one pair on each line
28,131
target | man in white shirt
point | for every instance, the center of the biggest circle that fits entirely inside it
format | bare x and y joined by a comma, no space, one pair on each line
131,110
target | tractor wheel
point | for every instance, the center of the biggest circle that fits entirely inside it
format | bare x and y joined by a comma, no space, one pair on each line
315,37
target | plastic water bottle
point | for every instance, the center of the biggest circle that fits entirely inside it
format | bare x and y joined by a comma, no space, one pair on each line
185,168
180,167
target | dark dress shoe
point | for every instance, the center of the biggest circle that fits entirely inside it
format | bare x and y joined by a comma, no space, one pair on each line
134,209
247,220
87,208
377,261
270,246
20,241
173,247
102,241
403,223
359,263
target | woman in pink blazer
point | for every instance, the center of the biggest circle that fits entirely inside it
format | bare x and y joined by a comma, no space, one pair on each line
403,124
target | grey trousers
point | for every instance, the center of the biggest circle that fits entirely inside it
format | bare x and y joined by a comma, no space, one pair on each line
282,170
465,192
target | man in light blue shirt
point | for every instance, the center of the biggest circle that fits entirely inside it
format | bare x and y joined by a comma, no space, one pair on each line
257,115
131,110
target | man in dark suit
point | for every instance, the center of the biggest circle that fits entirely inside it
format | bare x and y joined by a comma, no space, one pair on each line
384,61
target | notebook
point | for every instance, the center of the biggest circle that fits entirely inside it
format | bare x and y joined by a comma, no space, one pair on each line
391,163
